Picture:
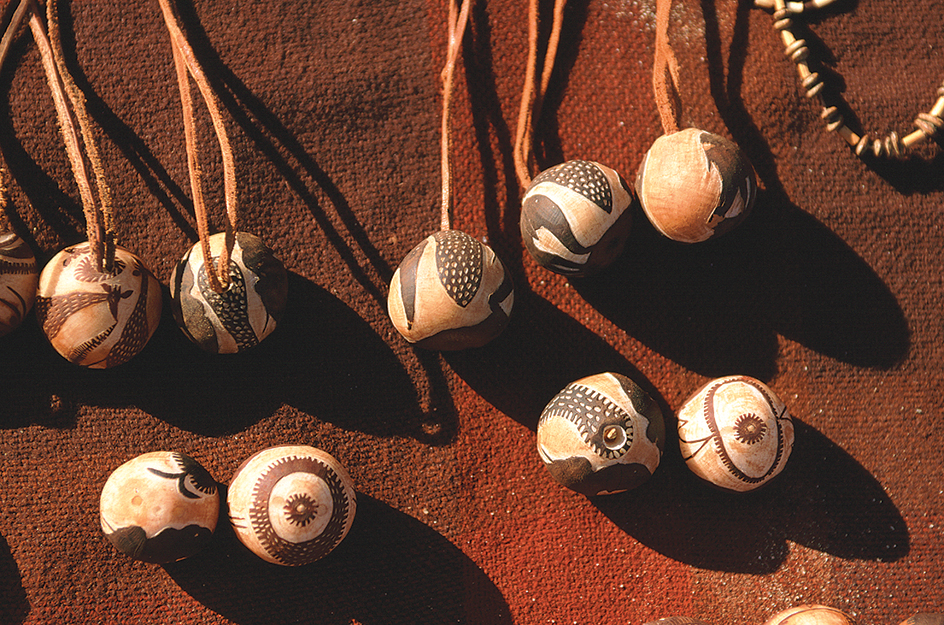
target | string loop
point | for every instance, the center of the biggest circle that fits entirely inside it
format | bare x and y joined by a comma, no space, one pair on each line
457,26
80,144
533,92
185,63
665,72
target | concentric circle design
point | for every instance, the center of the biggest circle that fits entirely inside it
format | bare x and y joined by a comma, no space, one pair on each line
735,433
291,505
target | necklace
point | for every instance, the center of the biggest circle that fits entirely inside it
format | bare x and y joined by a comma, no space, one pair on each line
97,303
928,125
451,291
229,290
693,185
575,216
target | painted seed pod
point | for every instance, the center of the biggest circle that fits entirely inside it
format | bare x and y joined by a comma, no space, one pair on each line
242,315
694,185
19,277
575,217
810,615
160,507
924,618
602,434
97,319
291,505
451,292
735,433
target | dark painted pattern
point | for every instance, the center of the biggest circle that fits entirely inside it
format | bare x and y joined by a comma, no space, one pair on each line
230,306
459,262
305,552
591,411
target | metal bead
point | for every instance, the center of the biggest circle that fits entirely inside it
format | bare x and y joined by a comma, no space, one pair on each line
246,312
810,615
159,507
575,217
695,185
735,433
291,505
19,277
601,434
450,292
96,319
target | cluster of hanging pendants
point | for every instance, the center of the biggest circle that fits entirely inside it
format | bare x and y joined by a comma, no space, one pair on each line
97,303
452,292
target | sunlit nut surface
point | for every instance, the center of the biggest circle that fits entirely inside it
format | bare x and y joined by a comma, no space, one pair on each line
601,434
242,315
159,507
810,615
694,185
451,292
575,217
735,433
291,505
97,319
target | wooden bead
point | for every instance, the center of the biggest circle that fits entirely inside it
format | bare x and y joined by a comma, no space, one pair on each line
602,434
735,433
575,217
810,615
291,505
450,292
97,319
246,312
159,507
19,277
695,185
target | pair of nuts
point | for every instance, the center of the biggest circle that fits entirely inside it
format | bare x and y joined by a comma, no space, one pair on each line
289,505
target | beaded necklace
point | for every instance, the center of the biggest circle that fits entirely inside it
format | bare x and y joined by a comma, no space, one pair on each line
928,125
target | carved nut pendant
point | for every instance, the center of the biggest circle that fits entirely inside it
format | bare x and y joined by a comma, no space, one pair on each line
810,615
602,434
291,505
19,277
97,319
159,507
575,217
246,312
735,433
450,292
695,185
